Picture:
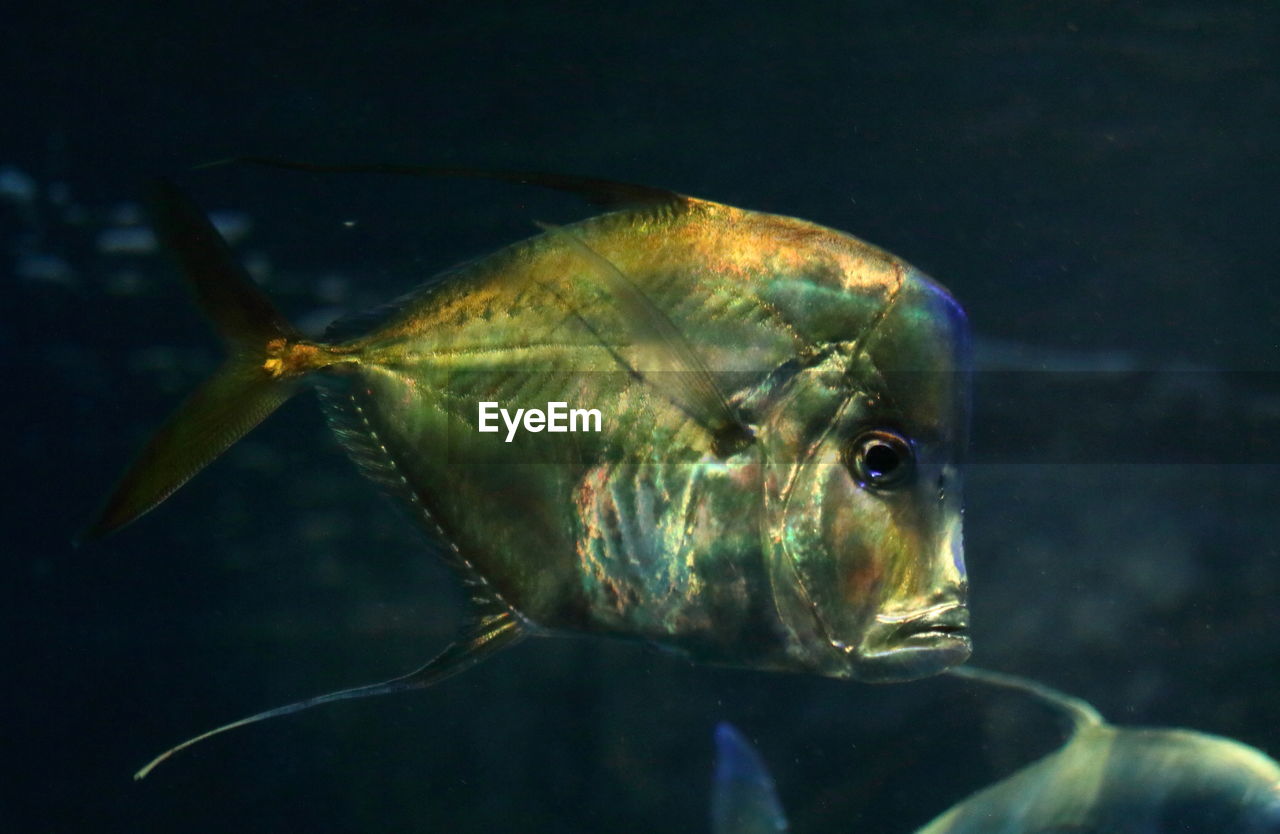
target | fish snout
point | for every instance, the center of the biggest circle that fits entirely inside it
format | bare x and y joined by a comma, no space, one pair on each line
915,644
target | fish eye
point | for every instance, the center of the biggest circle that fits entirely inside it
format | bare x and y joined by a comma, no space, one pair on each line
882,459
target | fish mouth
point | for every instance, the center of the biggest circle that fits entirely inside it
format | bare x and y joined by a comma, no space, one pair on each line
916,645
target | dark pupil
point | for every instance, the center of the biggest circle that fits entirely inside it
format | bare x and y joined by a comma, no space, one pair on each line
881,459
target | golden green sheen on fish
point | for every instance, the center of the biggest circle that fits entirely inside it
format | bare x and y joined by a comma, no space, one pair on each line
774,484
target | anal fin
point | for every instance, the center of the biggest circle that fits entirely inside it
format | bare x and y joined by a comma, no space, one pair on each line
355,423
483,637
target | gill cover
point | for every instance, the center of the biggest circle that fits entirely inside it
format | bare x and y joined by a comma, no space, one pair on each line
868,573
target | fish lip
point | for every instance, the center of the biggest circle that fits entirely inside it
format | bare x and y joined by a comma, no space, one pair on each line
916,644
939,621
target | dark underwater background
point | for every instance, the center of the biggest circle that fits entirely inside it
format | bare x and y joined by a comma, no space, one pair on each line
1097,182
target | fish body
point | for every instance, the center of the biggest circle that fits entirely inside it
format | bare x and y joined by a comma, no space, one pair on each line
771,556
775,484
1121,780
1104,780
1114,780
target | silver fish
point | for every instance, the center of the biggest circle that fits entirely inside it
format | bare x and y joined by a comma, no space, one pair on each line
776,486
1123,780
1104,780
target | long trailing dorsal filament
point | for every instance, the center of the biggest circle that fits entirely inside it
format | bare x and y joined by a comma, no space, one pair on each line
599,192
1081,713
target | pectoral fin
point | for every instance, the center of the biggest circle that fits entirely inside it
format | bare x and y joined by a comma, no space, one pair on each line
483,638
673,368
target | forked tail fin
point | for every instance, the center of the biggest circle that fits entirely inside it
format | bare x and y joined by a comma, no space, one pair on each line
267,360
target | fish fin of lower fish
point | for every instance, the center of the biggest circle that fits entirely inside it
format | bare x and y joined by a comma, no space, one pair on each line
1078,711
683,379
484,637
598,192
743,799
267,360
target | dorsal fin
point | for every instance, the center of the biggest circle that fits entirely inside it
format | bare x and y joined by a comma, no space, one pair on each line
1079,711
598,192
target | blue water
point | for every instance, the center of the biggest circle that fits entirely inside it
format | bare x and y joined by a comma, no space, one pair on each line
1096,183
